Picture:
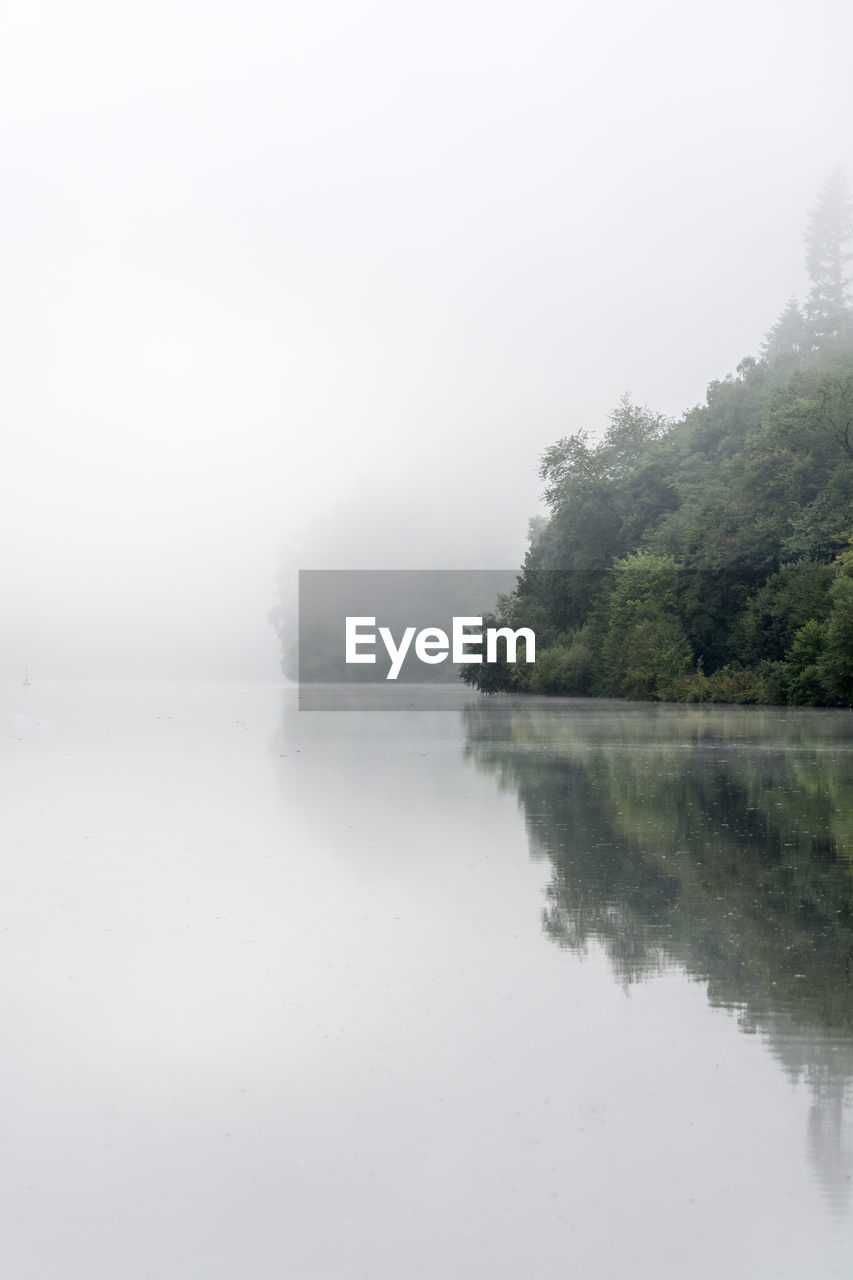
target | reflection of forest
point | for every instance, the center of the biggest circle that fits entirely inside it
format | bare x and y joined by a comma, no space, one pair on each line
717,839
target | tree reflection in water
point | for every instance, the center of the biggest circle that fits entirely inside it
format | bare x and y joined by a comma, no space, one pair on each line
715,839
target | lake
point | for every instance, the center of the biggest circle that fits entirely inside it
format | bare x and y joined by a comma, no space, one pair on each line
515,987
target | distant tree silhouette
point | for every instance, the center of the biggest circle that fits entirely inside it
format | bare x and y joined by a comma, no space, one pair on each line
828,234
788,337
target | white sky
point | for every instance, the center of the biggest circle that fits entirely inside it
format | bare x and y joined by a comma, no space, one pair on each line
336,274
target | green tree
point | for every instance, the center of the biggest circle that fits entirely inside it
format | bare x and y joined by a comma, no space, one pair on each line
777,610
837,663
645,648
805,661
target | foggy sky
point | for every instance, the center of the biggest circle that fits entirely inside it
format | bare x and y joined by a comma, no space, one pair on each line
324,279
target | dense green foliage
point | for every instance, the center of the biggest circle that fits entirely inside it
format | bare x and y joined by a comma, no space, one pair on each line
708,559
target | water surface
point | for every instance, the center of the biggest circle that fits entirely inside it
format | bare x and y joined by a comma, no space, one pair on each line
512,987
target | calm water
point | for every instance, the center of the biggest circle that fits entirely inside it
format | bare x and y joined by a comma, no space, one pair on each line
514,989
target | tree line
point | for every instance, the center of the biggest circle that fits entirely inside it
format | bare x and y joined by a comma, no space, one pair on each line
711,558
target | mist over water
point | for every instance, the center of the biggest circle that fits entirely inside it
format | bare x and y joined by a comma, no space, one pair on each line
320,284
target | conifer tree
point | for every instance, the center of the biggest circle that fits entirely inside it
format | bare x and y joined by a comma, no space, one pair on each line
788,337
828,234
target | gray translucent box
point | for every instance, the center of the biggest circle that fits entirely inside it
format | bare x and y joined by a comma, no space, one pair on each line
397,600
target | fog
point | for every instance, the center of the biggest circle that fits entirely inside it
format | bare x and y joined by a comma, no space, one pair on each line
318,283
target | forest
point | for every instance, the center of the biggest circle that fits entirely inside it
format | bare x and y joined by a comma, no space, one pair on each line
708,559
